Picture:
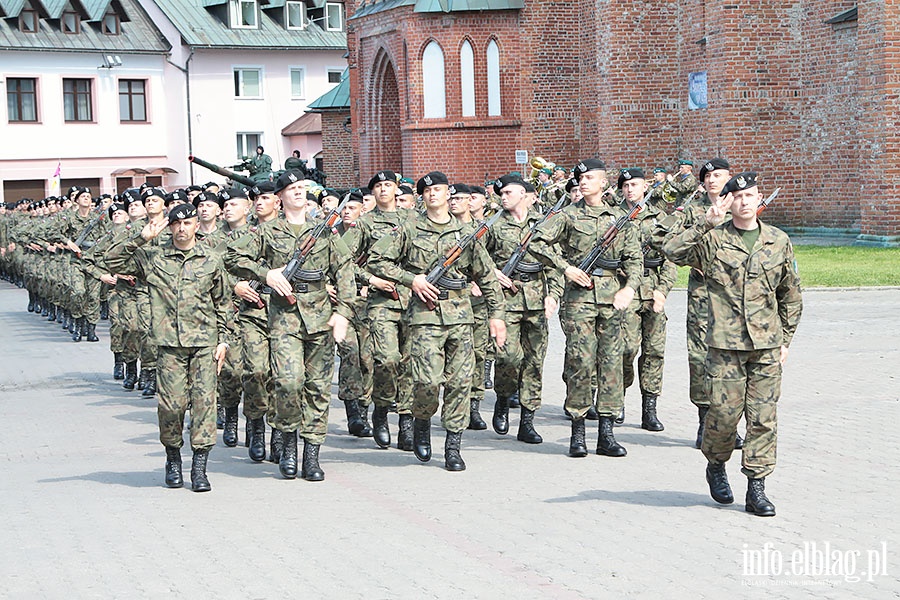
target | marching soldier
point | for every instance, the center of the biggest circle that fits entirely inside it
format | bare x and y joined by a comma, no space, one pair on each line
754,305
683,182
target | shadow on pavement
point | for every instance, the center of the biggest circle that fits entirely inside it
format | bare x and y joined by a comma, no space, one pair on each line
639,497
138,479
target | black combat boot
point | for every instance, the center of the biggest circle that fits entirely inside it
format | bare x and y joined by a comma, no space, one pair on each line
701,414
756,501
118,366
288,463
738,441
311,471
452,460
606,443
130,375
620,418
92,333
364,417
354,422
199,481
142,378
500,422
45,308
248,433
78,331
173,467
257,439
73,323
577,445
51,314
150,385
60,314
488,382
220,416
380,427
405,435
104,310
526,432
230,436
65,320
276,445
30,301
717,479
422,439
475,420
649,420
514,400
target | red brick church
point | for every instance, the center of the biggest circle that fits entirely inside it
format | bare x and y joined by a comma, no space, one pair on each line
805,92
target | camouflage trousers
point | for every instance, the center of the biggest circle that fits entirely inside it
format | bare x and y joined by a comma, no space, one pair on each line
302,368
148,349
187,378
696,321
644,331
116,326
85,290
442,354
389,343
594,343
481,337
229,388
520,362
127,316
355,370
256,376
743,383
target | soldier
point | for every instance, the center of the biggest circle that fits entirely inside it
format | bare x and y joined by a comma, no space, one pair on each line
209,208
593,303
188,304
303,327
683,182
754,307
477,206
260,166
441,339
406,199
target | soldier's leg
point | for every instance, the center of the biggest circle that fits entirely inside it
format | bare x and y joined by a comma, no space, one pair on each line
385,342
610,346
202,388
288,366
508,361
653,349
763,391
481,339
318,353
173,397
458,369
256,377
229,389
631,332
92,289
427,354
727,381
351,385
579,325
534,333
696,321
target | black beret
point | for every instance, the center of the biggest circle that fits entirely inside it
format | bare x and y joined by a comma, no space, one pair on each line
263,187
81,190
356,195
590,164
311,195
235,192
508,180
712,165
477,189
210,184
741,181
193,188
153,191
206,197
571,185
287,178
181,212
459,188
433,178
366,191
630,173
176,196
404,189
115,206
385,175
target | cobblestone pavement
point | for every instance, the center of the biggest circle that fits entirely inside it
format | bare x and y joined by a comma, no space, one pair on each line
86,514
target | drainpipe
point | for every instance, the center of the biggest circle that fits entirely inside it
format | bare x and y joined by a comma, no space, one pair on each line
187,86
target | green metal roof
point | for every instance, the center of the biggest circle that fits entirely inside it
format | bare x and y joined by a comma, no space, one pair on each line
377,7
208,27
335,99
138,34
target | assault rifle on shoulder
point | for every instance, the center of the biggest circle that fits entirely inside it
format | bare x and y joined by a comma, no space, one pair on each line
519,253
82,238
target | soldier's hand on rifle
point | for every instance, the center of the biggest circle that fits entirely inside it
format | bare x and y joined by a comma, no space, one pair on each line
784,354
576,275
476,291
382,284
221,351
275,280
108,279
127,278
153,229
550,306
715,214
503,279
332,293
659,301
498,331
71,246
338,324
243,291
425,291
623,298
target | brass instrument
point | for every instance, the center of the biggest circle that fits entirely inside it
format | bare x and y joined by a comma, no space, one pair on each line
537,163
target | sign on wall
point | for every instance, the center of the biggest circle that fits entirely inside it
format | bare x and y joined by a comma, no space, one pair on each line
697,90
521,157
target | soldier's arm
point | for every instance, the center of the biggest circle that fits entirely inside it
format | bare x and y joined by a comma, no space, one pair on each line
127,256
544,244
385,258
483,274
688,247
668,274
789,298
243,257
631,256
341,270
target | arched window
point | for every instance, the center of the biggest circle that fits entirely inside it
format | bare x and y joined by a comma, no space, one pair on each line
467,78
433,92
493,78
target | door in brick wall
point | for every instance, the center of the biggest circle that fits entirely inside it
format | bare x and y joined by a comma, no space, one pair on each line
388,152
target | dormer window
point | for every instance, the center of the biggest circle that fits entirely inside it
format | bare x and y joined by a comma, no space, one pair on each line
243,14
70,23
295,14
110,24
28,21
334,16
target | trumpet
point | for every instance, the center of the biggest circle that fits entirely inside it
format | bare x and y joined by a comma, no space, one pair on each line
537,163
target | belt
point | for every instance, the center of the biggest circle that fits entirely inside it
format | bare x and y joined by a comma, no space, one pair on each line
601,272
302,287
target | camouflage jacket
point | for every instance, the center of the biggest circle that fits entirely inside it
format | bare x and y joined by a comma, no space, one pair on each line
684,186
501,241
245,309
416,247
272,248
659,273
69,225
188,295
577,230
754,297
371,227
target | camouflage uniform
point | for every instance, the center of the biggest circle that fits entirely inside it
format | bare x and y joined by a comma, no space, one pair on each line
684,185
754,308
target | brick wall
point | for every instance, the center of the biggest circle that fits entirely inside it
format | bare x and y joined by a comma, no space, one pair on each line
340,160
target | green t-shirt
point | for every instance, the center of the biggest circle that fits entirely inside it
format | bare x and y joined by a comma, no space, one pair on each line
749,237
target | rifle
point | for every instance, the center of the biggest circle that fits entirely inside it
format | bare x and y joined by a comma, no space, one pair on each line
456,251
82,237
519,253
765,203
700,189
609,236
302,252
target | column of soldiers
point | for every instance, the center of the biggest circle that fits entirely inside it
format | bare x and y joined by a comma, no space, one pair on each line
230,295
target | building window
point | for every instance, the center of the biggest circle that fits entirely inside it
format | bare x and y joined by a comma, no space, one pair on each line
334,16
77,103
434,99
132,100
70,23
467,79
298,82
21,100
247,143
334,75
111,24
28,21
247,83
493,78
295,14
243,14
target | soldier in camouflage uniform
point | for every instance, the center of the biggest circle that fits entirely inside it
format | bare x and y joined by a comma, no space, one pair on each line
754,308
440,339
593,303
683,182
189,301
303,327
645,320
